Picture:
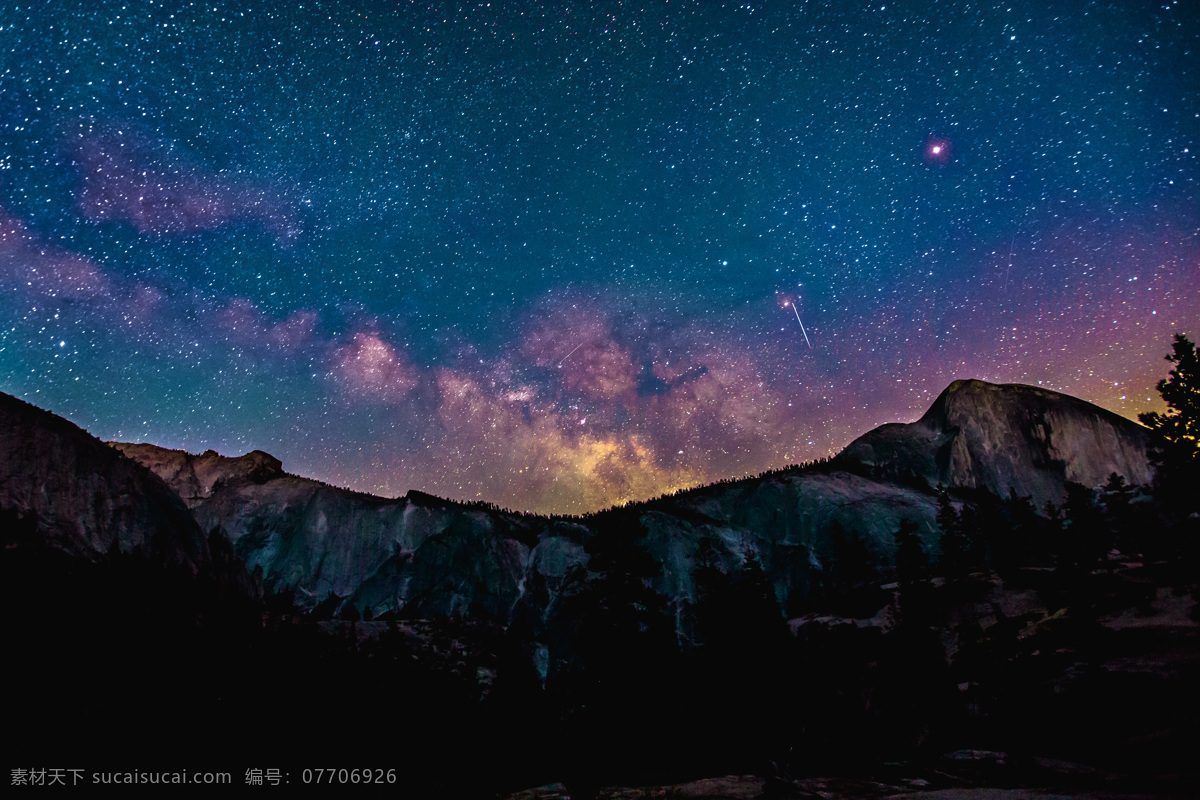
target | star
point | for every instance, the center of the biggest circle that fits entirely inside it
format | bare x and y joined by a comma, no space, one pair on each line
396,270
938,150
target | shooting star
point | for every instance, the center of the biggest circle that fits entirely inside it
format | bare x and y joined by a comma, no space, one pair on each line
568,355
806,341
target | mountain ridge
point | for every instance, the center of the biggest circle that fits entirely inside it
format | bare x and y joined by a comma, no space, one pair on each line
221,468
429,556
433,556
954,443
85,497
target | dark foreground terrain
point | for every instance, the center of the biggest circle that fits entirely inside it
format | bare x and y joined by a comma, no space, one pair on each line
843,629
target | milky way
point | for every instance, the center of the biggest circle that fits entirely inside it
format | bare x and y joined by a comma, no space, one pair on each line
552,256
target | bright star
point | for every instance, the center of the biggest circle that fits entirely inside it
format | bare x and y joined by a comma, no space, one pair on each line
938,150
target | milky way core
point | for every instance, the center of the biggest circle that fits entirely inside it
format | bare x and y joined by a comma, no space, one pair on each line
535,254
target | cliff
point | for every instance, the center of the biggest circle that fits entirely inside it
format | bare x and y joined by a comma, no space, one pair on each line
432,557
85,497
1006,437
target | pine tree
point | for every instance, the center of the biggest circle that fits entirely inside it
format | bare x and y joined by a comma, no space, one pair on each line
956,545
1086,537
1176,453
1015,542
1117,497
912,563
1180,425
852,567
912,567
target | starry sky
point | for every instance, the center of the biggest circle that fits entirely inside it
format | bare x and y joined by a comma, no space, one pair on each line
558,255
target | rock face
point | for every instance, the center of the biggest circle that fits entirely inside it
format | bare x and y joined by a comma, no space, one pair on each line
1002,437
433,558
194,478
87,497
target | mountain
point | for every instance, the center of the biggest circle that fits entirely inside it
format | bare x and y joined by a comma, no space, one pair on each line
631,646
1006,438
318,540
85,498
435,558
432,558
195,478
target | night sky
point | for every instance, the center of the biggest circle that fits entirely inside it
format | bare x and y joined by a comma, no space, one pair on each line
556,256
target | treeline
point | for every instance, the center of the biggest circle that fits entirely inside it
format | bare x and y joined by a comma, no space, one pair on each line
820,465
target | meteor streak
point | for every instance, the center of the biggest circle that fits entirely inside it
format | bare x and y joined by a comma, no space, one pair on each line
568,355
806,341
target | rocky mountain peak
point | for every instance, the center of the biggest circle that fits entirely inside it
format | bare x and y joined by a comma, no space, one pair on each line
195,477
83,496
1004,437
